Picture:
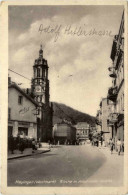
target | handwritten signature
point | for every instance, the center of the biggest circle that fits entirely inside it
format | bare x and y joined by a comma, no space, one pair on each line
70,30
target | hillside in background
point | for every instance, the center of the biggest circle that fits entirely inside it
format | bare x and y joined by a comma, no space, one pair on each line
61,111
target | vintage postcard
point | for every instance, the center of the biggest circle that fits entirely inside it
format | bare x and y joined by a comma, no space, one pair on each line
64,105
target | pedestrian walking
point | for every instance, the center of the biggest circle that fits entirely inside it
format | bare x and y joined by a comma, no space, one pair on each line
97,143
119,146
111,145
123,146
103,143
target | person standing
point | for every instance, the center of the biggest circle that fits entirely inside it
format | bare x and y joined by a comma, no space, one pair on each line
21,145
33,145
118,146
11,144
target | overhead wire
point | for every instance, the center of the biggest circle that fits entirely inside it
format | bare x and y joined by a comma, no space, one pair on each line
30,80
19,74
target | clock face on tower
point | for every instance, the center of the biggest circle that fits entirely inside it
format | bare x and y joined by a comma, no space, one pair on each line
38,89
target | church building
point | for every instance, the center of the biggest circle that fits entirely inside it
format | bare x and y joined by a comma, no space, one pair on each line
40,93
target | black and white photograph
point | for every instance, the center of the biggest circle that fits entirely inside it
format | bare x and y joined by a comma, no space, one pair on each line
66,96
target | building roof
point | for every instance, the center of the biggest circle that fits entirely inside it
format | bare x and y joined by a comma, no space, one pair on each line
14,85
82,125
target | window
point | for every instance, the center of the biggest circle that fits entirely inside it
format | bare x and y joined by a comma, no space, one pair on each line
122,106
9,113
10,131
43,73
23,131
123,102
38,81
20,99
38,72
117,106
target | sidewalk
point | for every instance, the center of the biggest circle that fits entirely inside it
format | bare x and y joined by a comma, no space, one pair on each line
111,173
27,152
107,152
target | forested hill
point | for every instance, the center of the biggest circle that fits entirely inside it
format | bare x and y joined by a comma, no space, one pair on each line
61,111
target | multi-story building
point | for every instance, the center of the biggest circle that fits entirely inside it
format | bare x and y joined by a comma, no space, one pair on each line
64,133
82,131
116,92
40,93
105,108
99,121
22,110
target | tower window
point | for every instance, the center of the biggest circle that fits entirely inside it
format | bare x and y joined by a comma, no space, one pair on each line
43,73
38,72
20,99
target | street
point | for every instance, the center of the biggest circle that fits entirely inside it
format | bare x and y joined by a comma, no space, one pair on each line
67,166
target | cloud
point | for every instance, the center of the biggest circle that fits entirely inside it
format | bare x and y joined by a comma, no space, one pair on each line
86,58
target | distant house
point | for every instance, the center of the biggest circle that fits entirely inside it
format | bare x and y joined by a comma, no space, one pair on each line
64,133
22,110
82,131
99,120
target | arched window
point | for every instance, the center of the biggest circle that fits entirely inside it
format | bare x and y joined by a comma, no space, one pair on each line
43,71
38,72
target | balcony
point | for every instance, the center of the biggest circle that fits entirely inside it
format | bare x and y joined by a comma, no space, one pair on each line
112,118
122,43
112,94
120,119
120,56
122,48
112,72
114,48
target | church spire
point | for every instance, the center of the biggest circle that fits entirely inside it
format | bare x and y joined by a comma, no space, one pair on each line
41,51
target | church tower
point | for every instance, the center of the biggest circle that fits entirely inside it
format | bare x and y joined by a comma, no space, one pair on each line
40,82
40,93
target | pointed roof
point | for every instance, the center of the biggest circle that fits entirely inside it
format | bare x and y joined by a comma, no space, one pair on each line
41,51
14,85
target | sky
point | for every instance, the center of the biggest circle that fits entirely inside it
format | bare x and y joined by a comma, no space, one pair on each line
78,64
